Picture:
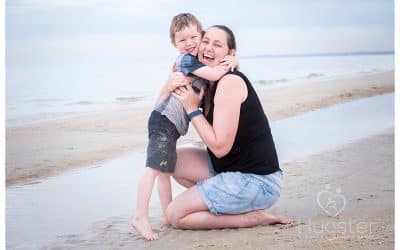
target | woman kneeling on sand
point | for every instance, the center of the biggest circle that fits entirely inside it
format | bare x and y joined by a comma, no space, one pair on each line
238,176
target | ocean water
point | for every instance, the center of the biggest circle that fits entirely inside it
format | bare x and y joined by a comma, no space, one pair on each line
43,93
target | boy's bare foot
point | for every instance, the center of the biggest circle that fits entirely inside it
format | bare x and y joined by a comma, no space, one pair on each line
263,218
142,225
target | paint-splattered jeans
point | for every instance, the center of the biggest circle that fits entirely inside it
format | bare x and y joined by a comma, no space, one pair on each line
161,150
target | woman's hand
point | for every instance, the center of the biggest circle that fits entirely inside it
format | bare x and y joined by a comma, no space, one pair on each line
176,80
230,62
189,99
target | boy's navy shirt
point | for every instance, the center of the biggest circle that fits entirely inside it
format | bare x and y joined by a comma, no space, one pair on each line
187,63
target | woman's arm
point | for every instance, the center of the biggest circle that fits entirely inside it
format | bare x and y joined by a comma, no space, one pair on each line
230,94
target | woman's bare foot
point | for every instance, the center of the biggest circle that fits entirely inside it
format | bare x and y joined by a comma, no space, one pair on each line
283,220
260,217
142,225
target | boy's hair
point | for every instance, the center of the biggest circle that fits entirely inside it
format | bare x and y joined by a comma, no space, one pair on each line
181,21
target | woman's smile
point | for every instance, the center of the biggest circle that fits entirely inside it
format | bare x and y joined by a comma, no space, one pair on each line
208,58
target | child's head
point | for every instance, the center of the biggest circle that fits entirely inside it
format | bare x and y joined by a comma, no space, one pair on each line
185,32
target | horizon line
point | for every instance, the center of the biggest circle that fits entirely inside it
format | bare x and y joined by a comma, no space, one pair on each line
351,53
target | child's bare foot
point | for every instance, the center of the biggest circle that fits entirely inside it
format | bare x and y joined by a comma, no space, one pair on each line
142,225
261,217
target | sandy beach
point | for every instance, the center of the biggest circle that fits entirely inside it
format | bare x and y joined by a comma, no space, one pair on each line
358,177
365,220
47,149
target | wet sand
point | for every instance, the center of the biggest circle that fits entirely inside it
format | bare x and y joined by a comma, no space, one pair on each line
48,149
361,183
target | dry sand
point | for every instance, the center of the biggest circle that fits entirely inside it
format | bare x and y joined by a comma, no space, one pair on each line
365,219
49,148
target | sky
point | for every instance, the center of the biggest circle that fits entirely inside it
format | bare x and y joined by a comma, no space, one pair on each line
50,31
57,48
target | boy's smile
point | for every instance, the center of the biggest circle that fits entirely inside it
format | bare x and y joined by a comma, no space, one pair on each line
188,40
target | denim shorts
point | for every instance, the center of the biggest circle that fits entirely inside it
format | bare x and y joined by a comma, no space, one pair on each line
236,192
161,149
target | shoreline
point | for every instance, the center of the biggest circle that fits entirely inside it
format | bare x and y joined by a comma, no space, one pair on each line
47,149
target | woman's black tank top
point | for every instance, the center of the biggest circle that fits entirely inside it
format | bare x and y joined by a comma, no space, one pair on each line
253,150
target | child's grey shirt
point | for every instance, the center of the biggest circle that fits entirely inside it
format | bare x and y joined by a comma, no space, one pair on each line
171,107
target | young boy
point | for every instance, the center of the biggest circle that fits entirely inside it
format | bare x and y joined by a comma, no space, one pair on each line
168,121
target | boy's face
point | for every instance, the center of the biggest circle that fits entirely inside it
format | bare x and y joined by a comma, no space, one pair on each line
188,40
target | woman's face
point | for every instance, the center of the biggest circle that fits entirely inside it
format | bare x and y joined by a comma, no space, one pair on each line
213,47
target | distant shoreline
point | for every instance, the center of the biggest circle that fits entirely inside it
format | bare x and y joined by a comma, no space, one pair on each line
351,53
